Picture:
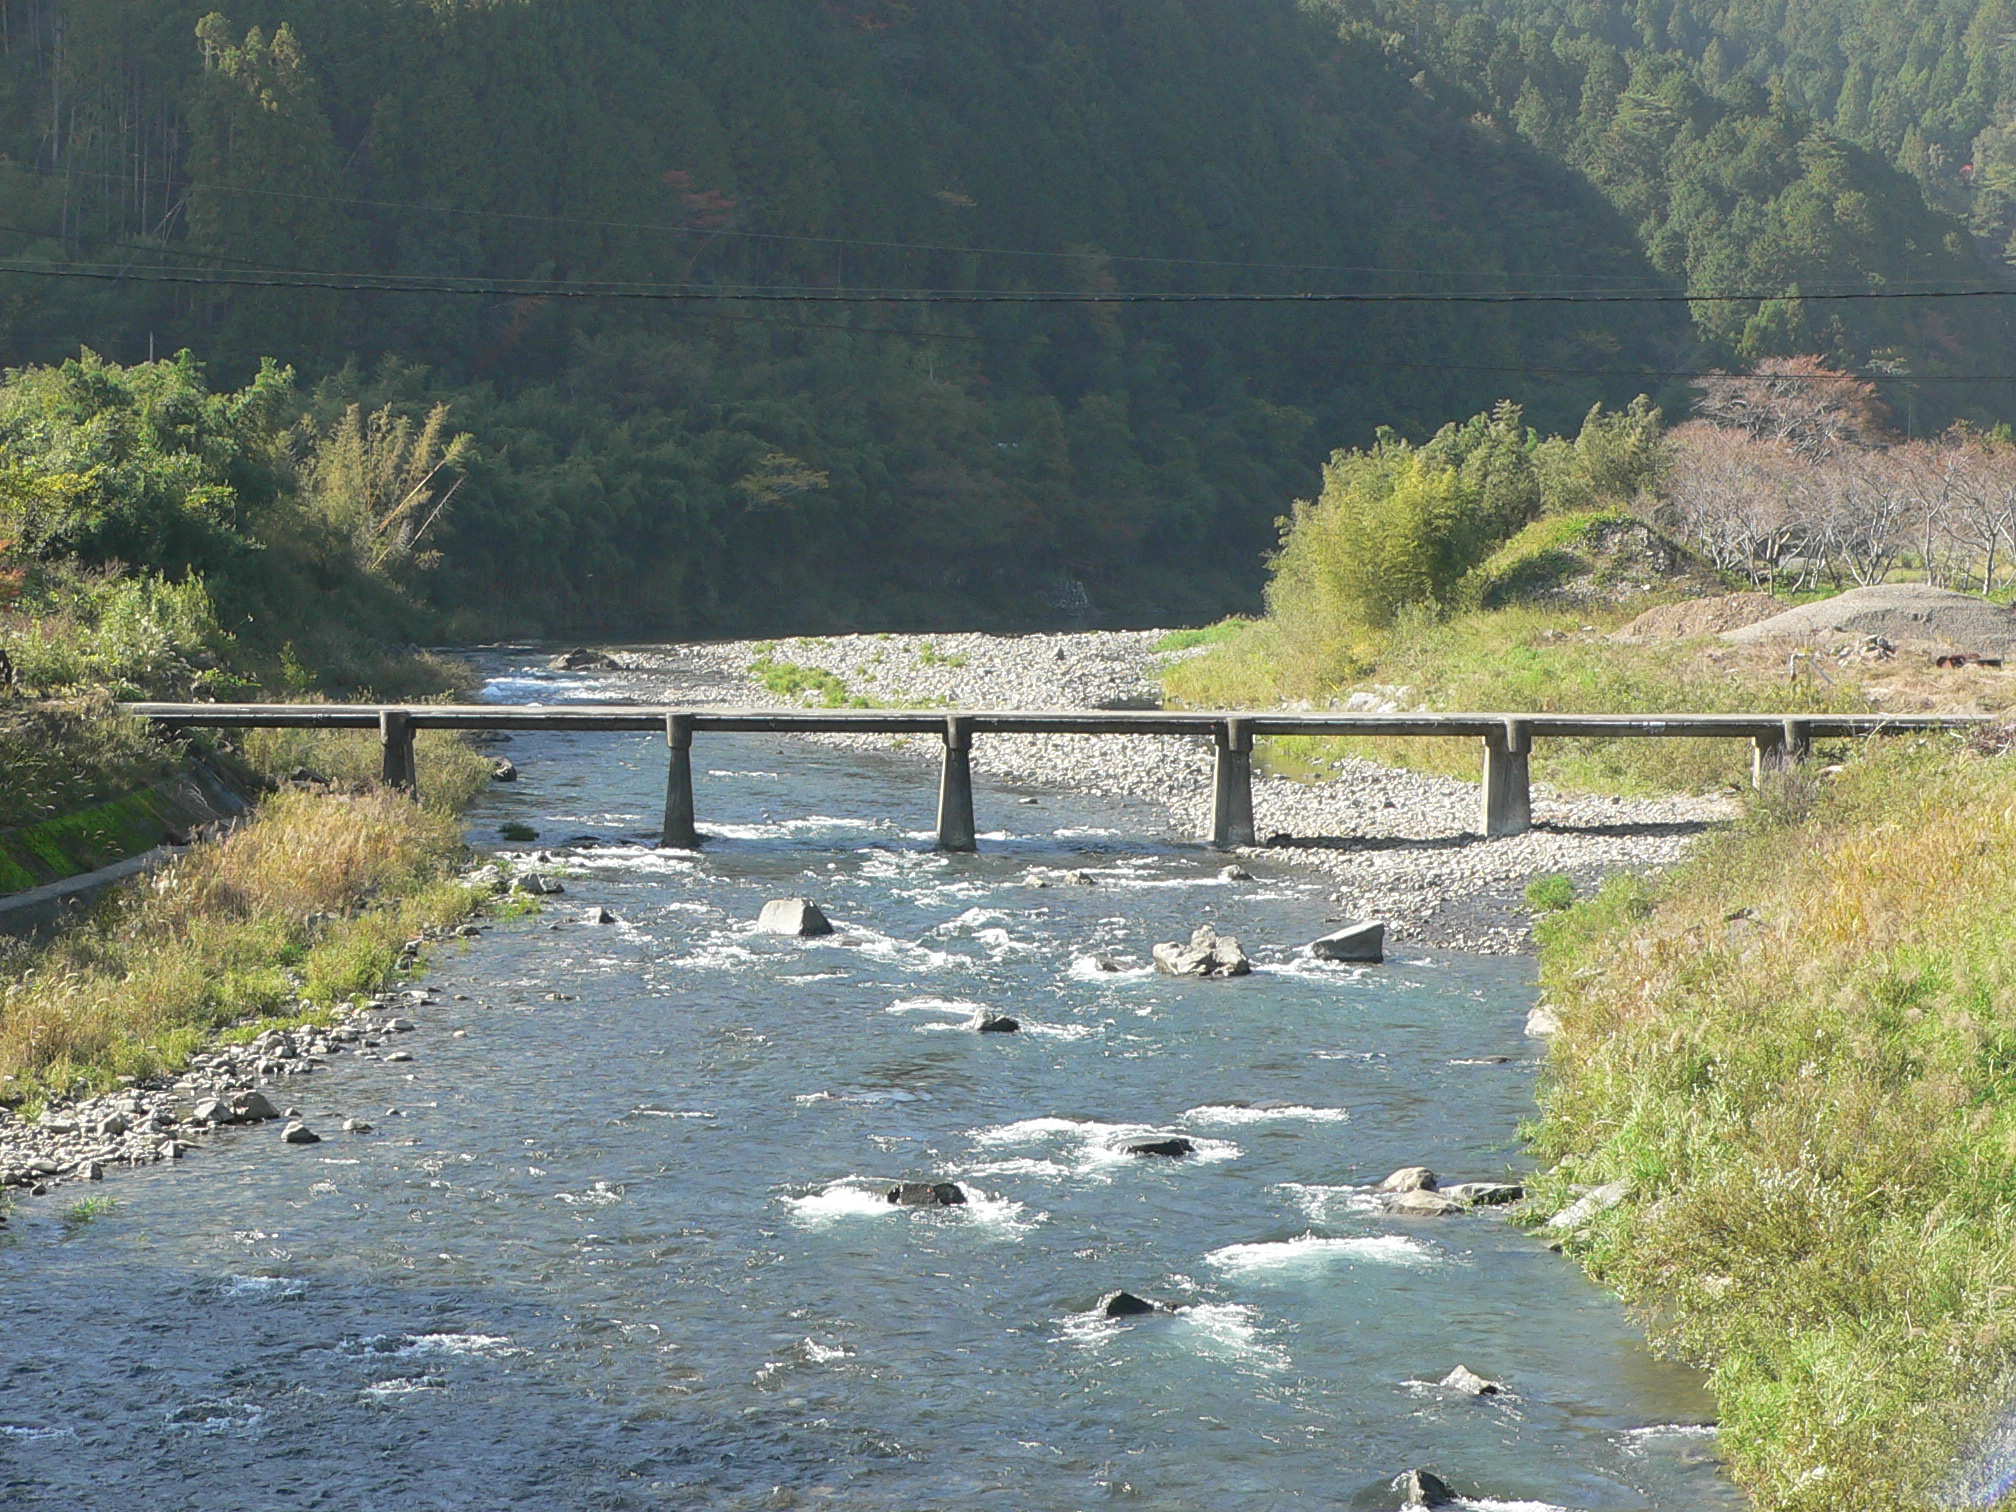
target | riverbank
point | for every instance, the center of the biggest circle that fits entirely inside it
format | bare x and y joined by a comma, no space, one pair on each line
1790,1061
1400,845
248,957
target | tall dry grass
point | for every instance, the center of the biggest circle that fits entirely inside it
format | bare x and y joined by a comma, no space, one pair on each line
451,772
1800,1050
311,899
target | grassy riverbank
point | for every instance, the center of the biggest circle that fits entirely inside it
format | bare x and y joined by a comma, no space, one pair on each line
1799,1049
312,900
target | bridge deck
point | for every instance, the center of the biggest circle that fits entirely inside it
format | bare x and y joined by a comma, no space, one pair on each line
1017,721
1777,739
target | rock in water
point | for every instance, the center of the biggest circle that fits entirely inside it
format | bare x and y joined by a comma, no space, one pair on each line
1209,954
535,886
581,659
927,1194
1124,1304
252,1107
1467,1381
1485,1193
599,915
356,1126
792,916
995,1023
1234,874
1423,1204
503,771
1174,1148
1354,942
300,1133
1409,1179
1423,1488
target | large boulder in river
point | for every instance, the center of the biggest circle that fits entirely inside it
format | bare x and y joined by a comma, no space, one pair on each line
252,1107
1484,1193
1423,1488
1465,1380
1409,1179
582,659
1209,954
1354,942
1175,1148
1124,1304
792,916
1423,1204
927,1194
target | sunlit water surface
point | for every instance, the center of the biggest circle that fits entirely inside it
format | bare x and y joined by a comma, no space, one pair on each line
623,1245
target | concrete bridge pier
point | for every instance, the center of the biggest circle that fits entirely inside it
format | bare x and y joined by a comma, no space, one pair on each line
955,787
397,769
1232,785
679,833
1781,750
1508,788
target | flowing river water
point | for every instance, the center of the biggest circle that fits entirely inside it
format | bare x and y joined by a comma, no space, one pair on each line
623,1244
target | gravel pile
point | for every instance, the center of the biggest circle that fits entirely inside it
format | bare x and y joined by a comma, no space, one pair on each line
1402,845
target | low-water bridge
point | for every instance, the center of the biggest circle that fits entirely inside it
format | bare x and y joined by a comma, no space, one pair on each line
1506,807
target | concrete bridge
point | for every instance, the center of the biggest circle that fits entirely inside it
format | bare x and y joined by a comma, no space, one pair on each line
1506,806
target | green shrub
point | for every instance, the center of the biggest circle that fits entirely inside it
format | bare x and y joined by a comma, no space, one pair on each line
1550,894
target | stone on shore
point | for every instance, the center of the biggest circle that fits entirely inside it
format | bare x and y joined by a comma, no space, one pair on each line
927,1194
793,916
1354,942
1597,1200
1542,1022
1409,1179
1209,954
300,1133
1467,1381
1423,1488
1175,1148
532,885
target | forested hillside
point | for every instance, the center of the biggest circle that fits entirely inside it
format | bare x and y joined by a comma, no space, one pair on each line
652,464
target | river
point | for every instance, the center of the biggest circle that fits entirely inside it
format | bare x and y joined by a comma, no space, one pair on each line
622,1244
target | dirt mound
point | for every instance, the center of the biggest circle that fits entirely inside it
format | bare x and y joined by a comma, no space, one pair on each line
1702,616
1588,561
1905,613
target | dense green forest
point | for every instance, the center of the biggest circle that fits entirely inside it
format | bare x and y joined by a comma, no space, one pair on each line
651,465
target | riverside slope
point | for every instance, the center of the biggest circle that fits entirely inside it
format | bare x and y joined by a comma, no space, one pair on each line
1401,845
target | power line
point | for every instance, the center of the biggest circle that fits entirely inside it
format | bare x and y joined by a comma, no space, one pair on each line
390,283
726,233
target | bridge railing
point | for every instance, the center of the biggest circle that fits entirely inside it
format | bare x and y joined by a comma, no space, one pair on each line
1505,807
